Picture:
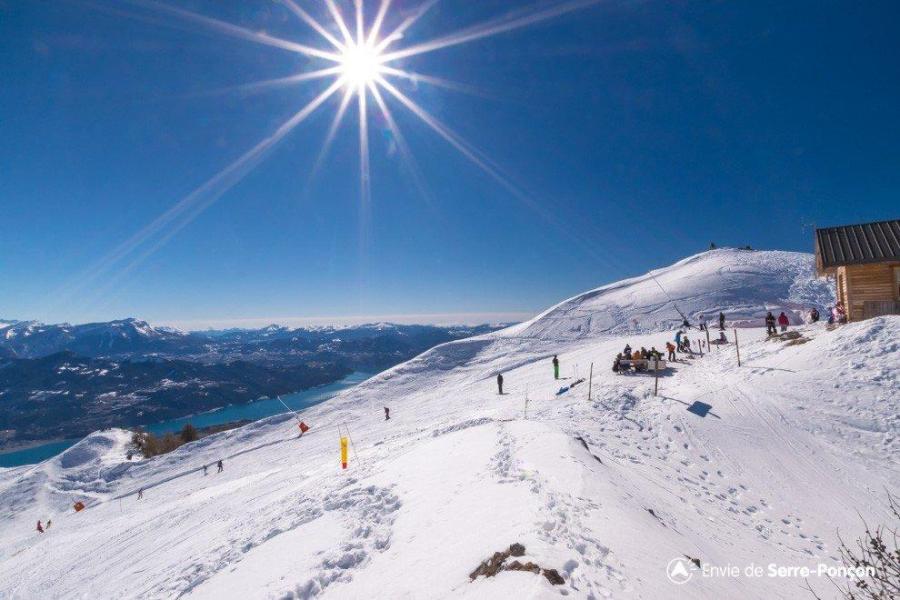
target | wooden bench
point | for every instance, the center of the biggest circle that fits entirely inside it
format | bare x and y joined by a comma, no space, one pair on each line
643,364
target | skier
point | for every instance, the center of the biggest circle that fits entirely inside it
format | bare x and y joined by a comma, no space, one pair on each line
770,324
500,383
670,348
40,527
555,367
721,320
205,467
678,339
814,315
140,493
387,414
702,322
783,321
221,466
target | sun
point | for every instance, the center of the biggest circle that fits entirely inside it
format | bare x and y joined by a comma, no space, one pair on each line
360,65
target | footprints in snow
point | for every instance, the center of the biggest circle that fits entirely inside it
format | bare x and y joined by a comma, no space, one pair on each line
368,513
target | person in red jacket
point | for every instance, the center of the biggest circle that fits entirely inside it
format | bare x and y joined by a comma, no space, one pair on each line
783,321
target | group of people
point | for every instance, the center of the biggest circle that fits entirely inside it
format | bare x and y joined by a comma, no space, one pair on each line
635,355
701,322
783,322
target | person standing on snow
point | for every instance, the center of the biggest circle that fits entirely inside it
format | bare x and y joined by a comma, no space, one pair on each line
555,367
722,321
814,315
702,322
500,383
770,324
387,414
204,469
140,493
678,339
783,321
670,348
221,466
40,527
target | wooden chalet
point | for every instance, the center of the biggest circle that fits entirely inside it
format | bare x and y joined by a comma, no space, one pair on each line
864,260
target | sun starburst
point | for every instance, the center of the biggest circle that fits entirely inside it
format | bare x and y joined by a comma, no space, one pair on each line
360,58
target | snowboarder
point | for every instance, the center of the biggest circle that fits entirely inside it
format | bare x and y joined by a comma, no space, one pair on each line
205,468
702,322
221,466
140,493
555,367
40,527
783,321
500,383
770,324
722,320
814,315
670,348
387,414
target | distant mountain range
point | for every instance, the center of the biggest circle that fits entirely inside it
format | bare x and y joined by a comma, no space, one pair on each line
68,380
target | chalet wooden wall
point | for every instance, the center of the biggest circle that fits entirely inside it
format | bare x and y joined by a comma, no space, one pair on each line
862,283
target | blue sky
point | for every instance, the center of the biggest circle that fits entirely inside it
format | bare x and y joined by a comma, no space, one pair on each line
634,132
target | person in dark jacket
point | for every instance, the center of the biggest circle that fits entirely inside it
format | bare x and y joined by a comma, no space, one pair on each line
814,315
783,321
721,320
555,367
500,383
387,414
221,466
40,527
770,324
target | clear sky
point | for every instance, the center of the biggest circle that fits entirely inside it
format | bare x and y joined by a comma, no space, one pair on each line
626,134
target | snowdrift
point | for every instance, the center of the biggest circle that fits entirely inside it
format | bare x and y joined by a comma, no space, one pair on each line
729,466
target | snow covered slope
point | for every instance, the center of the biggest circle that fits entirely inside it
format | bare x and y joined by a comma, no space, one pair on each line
732,466
744,284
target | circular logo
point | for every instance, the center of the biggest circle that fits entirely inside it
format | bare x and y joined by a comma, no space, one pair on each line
679,570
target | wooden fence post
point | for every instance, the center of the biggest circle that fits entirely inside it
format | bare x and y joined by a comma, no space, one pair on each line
708,347
737,347
590,381
655,374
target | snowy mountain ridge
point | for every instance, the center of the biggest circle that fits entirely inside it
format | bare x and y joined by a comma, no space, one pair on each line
757,464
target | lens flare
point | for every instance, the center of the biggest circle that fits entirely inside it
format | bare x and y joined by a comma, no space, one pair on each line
359,60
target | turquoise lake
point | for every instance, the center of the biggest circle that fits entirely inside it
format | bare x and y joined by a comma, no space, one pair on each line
252,411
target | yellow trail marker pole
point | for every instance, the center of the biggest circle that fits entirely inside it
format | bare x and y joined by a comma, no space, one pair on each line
343,452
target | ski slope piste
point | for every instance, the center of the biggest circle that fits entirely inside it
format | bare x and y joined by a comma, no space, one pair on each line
732,482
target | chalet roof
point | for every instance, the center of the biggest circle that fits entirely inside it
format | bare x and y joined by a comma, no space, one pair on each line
857,244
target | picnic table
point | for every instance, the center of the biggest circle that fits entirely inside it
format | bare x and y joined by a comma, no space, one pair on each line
643,364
